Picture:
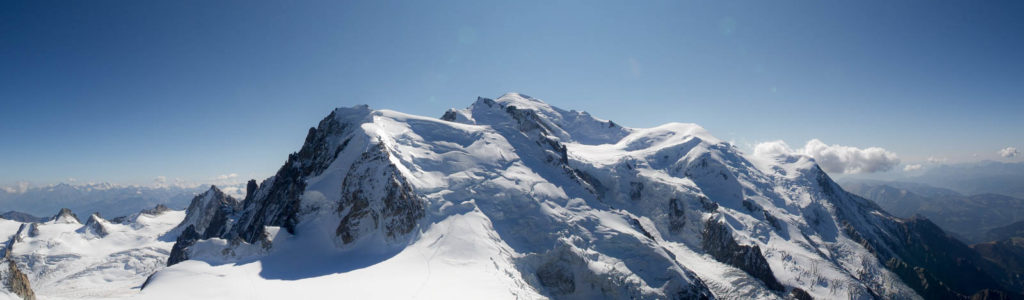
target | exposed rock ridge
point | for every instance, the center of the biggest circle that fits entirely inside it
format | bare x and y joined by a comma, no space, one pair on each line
11,277
376,195
65,216
719,243
95,226
210,213
924,257
277,202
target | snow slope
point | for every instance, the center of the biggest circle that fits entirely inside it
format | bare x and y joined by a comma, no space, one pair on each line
68,260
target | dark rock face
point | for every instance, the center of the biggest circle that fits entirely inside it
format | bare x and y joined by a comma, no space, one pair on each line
179,250
276,202
636,191
372,180
95,226
707,205
449,115
146,283
718,242
18,282
677,215
933,263
277,208
66,214
557,278
210,213
159,209
250,189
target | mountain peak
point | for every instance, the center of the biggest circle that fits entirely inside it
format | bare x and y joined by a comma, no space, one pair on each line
65,216
551,203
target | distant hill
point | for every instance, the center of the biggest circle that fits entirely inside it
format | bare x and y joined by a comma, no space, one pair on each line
968,217
1015,229
21,217
976,178
1008,253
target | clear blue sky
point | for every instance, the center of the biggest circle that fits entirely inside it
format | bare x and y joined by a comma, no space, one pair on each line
124,91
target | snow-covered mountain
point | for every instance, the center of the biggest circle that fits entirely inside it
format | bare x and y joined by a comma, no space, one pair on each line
514,198
65,259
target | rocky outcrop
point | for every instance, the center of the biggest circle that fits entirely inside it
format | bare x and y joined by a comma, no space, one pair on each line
159,209
11,277
375,195
179,252
210,213
677,215
449,115
250,189
95,226
17,282
717,241
277,201
65,216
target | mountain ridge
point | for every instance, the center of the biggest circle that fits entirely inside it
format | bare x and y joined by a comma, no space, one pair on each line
515,198
402,175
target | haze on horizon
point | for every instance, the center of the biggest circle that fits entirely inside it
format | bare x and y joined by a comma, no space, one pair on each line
135,93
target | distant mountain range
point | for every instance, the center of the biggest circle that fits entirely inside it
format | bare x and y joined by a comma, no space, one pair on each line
970,218
986,177
109,200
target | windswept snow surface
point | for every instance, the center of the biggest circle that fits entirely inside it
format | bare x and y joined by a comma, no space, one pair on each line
523,200
461,251
67,260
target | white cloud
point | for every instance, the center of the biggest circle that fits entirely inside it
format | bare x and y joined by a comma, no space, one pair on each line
850,160
771,149
937,160
160,179
1009,152
911,168
227,176
18,187
836,158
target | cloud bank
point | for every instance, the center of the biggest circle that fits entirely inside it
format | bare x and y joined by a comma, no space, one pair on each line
911,168
1009,152
227,176
836,159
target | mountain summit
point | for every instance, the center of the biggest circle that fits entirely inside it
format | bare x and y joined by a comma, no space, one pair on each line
515,198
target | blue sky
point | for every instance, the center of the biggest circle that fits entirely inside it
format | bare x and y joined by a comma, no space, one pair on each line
125,91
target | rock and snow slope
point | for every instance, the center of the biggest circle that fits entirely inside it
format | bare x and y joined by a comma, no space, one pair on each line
514,198
64,259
